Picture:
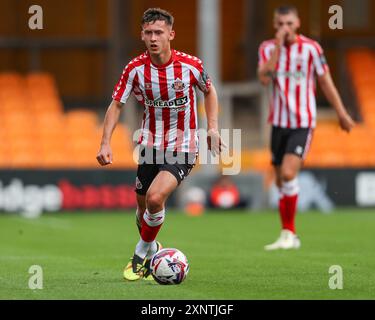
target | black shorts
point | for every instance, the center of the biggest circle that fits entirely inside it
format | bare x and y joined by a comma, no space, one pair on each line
294,141
178,164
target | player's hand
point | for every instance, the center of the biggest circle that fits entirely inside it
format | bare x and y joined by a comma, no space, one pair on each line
281,36
346,122
214,142
104,156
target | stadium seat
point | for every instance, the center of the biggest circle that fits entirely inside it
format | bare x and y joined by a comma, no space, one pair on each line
334,148
33,121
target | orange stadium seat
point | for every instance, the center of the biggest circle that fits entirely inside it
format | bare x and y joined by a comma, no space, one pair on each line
24,159
121,137
79,116
359,144
41,86
11,91
55,159
261,159
9,106
24,153
5,150
123,157
51,143
47,106
245,159
16,120
11,79
50,118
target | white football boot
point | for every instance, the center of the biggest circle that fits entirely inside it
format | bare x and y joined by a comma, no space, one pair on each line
287,240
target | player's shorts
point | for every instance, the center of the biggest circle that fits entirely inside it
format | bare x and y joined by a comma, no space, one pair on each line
153,161
292,141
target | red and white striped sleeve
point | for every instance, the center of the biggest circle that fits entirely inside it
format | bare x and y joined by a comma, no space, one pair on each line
125,85
319,60
204,82
264,52
203,79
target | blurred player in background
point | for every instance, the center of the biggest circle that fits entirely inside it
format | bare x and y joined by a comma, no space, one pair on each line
291,62
163,80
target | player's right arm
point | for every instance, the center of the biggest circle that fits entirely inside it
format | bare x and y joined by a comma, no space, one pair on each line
120,95
267,65
111,118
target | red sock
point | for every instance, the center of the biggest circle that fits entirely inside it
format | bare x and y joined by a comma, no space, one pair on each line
282,210
288,209
151,224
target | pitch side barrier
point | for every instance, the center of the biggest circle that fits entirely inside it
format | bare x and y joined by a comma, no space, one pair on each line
333,187
31,192
327,188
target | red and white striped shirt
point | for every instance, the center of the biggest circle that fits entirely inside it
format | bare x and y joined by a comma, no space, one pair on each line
168,95
293,102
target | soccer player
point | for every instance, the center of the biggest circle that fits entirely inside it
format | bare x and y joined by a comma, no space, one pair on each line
163,80
291,62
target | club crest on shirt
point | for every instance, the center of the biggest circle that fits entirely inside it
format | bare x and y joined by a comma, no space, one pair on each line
178,85
299,76
148,85
299,60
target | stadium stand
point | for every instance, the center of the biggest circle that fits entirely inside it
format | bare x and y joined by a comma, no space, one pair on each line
37,133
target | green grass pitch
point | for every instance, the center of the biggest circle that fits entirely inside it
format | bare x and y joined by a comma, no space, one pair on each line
83,254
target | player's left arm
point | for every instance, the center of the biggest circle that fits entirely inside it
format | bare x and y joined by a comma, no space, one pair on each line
333,97
211,105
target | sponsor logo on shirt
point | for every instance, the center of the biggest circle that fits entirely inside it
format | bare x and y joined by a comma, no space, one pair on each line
297,75
179,102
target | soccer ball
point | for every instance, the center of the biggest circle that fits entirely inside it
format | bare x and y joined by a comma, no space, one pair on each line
169,266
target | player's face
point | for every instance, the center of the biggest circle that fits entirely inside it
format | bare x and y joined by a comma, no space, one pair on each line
289,22
157,36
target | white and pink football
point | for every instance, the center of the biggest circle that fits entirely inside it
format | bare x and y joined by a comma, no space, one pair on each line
169,266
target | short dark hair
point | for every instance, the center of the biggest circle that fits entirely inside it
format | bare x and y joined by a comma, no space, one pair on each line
286,9
157,14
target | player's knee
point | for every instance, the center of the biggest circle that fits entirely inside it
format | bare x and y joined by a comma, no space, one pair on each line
154,201
288,175
290,188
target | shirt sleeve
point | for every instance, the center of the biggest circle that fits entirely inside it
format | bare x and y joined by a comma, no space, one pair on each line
319,60
264,53
124,86
202,77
